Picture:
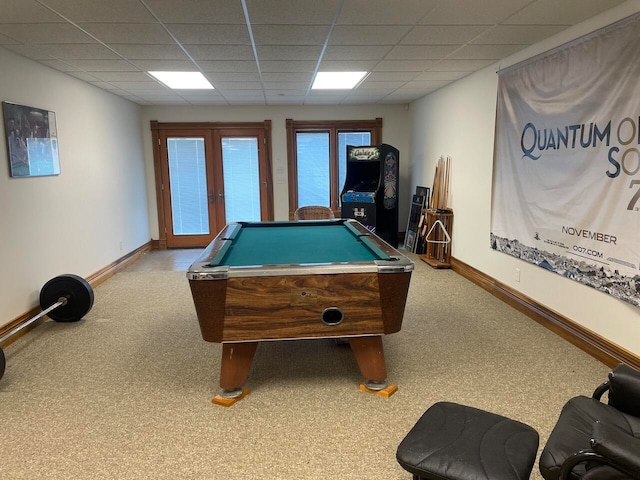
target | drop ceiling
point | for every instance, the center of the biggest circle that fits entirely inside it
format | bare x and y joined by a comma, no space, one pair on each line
267,52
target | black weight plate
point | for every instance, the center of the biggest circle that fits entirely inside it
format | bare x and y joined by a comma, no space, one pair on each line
79,296
2,363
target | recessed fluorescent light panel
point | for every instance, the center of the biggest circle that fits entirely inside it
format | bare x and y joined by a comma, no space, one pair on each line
183,80
337,80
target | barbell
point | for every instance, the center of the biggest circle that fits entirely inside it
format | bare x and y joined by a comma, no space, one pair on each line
65,298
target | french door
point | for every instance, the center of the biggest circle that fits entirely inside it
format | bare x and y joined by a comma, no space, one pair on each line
210,175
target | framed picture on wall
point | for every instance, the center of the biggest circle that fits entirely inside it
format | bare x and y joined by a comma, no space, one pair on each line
32,140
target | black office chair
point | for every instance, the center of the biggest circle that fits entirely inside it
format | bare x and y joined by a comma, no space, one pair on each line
593,440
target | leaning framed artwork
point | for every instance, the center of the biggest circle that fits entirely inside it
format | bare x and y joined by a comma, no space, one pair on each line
32,140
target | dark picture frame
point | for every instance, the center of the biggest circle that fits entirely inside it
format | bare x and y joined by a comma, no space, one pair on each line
32,140
425,193
415,211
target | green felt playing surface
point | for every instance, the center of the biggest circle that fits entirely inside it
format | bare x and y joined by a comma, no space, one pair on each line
297,244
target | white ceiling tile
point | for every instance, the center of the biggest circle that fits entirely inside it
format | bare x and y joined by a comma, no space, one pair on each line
245,99
411,46
27,11
101,11
233,76
472,12
389,76
149,86
287,77
149,52
198,11
425,85
286,86
371,92
384,12
36,33
233,93
292,66
492,52
367,34
144,33
288,52
404,65
316,12
209,34
347,65
256,86
286,93
566,12
324,99
122,76
420,52
228,66
348,52
164,65
290,34
381,85
220,52
148,94
441,75
190,94
442,34
285,100
92,51
517,34
103,65
460,65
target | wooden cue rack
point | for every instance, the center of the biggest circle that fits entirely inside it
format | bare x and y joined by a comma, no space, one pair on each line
438,238
438,228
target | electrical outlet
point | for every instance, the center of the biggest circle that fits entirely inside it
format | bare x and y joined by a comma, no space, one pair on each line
517,274
121,245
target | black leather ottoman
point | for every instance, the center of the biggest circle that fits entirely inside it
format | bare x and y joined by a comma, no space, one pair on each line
456,442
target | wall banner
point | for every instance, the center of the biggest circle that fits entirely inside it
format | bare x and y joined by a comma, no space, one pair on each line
566,170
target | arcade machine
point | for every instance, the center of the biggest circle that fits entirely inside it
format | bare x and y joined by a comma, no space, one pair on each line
370,193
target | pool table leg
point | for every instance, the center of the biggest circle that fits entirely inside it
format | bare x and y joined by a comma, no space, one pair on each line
369,354
234,368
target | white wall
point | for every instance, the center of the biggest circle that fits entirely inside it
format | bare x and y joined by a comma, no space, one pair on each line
459,120
395,128
74,222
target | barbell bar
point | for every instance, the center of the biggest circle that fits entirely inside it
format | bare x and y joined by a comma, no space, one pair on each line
65,298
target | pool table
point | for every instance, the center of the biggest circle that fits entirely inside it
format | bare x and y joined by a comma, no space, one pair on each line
263,281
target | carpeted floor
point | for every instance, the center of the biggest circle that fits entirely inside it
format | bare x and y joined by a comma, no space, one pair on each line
126,392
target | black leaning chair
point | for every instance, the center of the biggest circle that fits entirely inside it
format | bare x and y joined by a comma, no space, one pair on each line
593,440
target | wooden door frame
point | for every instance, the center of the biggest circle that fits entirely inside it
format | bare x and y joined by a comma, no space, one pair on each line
156,127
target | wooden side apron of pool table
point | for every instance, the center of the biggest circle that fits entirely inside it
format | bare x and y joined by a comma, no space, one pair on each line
241,311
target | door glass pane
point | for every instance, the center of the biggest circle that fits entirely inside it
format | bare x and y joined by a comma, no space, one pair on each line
241,179
188,177
313,168
357,139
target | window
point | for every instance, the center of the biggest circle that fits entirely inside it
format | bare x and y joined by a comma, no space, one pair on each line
316,154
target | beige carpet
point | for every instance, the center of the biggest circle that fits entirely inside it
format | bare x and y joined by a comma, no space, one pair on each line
126,392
